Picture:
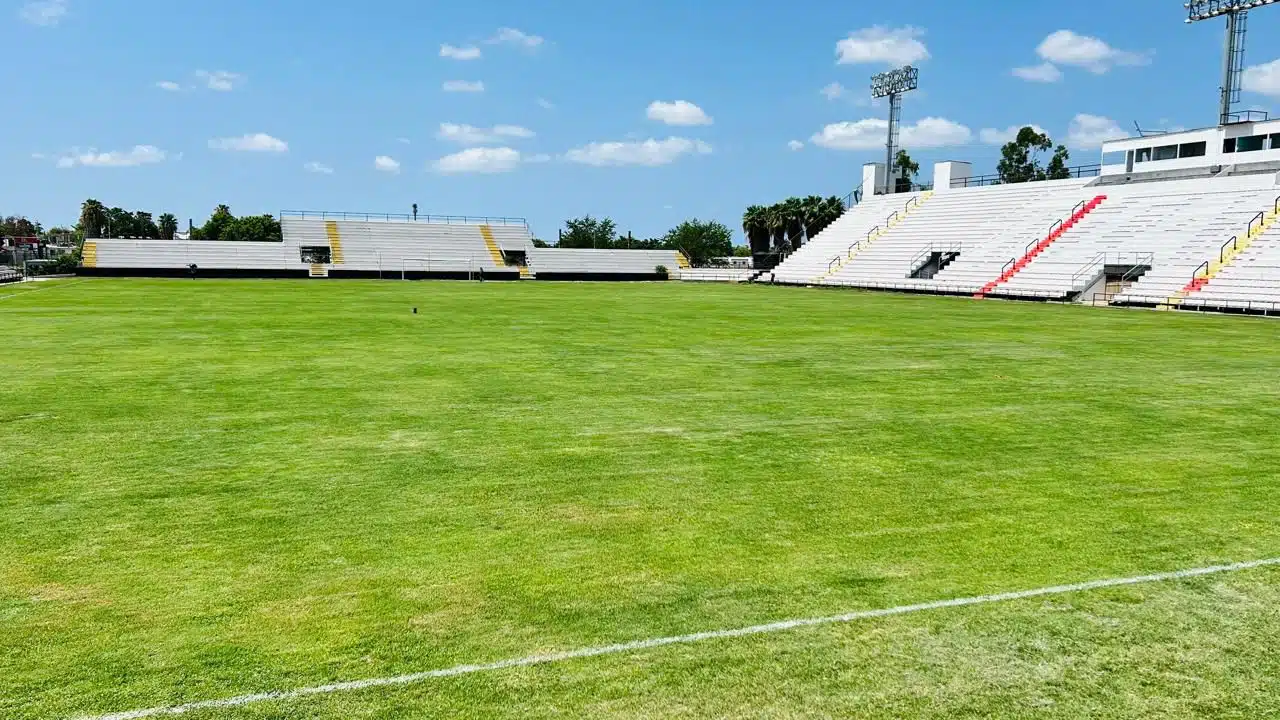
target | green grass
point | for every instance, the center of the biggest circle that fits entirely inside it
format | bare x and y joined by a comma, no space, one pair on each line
214,488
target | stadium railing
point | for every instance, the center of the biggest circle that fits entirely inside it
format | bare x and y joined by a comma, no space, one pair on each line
405,217
1076,172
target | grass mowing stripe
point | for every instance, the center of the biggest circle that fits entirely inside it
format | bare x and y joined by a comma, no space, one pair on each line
636,645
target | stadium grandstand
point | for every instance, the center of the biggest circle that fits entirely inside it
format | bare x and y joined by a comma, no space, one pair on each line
1181,220
1165,222
351,245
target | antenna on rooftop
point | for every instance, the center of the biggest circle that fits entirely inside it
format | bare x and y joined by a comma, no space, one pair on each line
1237,14
892,85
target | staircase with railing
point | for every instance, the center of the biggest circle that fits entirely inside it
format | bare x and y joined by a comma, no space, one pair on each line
891,221
1035,247
1227,254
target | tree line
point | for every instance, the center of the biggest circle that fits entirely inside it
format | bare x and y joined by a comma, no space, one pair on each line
702,242
99,221
784,227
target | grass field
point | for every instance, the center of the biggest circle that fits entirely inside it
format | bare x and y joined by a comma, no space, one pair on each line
224,487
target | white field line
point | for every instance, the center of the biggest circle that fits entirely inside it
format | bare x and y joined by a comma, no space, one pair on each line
636,645
53,286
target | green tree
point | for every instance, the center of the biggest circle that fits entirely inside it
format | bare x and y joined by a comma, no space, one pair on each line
701,242
1057,169
93,219
252,228
1020,160
588,232
216,224
776,221
144,226
168,226
905,171
120,223
755,226
793,213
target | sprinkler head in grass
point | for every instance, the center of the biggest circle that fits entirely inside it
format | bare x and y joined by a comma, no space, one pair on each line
415,311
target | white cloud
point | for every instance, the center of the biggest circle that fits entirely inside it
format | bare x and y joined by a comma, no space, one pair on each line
139,155
38,156
318,168
45,13
992,136
220,80
463,86
404,141
470,52
871,133
257,142
482,160
1065,47
469,135
680,113
511,36
795,145
386,164
546,104
1090,131
882,45
649,153
1264,79
169,85
833,91
1042,73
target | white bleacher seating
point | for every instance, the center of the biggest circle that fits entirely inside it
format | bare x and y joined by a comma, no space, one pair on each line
729,275
565,261
1167,228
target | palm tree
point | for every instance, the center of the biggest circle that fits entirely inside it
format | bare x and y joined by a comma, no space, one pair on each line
793,211
93,218
168,226
776,221
755,225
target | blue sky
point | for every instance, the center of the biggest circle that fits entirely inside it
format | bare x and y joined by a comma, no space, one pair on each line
286,104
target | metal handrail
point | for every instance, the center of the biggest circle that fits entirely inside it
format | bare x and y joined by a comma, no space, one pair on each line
1099,260
1005,268
1074,172
1205,266
834,260
444,219
916,200
930,249
1138,263
1259,218
1027,249
1055,225
1078,207
892,216
1222,251
872,232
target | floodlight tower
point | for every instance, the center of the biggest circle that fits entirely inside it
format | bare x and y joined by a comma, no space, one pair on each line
1237,14
892,85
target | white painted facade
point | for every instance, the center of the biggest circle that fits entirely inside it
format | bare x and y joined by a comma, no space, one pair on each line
1235,144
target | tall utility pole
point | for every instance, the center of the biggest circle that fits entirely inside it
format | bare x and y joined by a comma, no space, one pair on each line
1237,14
892,85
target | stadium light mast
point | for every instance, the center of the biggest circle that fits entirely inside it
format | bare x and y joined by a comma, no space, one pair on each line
1237,14
892,85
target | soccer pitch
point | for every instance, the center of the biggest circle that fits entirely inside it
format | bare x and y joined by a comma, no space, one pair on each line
219,488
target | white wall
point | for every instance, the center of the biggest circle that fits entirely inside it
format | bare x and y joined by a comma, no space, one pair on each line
946,174
1213,139
873,178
